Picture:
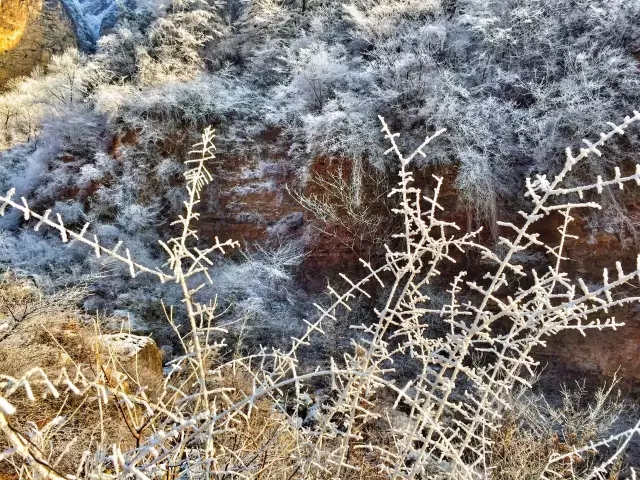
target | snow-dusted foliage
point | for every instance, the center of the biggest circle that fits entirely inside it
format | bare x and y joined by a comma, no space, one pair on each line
62,131
513,81
520,78
252,416
100,140
323,70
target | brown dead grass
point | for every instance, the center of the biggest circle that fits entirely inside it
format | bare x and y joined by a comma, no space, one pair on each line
263,441
53,341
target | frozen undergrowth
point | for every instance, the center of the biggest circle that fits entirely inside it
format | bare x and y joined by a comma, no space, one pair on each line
442,422
100,138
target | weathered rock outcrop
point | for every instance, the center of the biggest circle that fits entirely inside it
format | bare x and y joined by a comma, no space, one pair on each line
604,351
133,350
14,15
31,31
251,200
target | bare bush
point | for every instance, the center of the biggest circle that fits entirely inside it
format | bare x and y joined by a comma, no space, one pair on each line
535,430
351,207
21,299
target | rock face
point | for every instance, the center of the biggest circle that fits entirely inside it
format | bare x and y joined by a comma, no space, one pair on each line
249,201
606,351
252,204
13,20
130,348
30,32
92,19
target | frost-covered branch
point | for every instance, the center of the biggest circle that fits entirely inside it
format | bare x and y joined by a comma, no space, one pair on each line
218,416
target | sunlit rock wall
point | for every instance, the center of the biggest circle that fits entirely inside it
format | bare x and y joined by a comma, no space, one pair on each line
30,32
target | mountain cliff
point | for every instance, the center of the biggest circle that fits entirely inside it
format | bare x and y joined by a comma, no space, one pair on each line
91,18
30,32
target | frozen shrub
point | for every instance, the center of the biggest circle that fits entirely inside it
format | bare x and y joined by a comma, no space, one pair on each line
221,412
261,294
520,78
536,429
133,218
43,95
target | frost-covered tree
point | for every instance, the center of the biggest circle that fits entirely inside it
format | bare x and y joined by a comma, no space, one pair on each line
519,78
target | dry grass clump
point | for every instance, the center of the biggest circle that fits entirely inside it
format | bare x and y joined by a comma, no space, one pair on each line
262,438
50,339
534,431
39,329
20,299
